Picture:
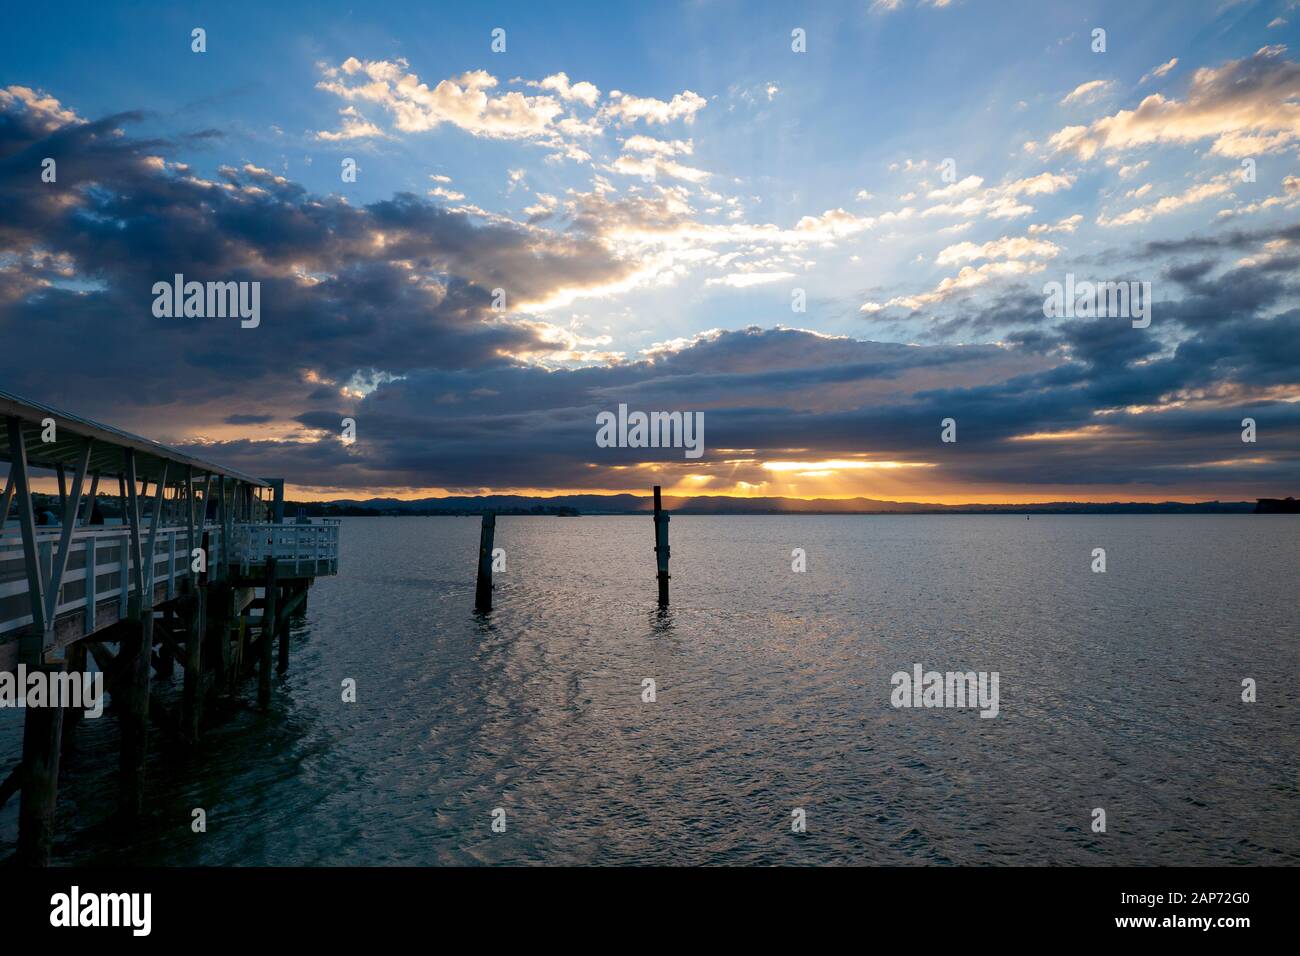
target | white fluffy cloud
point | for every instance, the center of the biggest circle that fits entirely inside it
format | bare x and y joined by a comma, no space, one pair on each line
464,101
626,108
1252,100
581,92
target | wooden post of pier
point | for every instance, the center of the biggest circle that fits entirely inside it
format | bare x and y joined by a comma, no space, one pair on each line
267,646
192,691
42,732
483,592
166,655
77,667
282,666
661,548
137,645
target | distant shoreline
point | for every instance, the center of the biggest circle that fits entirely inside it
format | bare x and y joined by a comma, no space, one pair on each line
587,505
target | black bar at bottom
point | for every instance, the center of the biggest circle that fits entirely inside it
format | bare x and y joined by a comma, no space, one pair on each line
947,906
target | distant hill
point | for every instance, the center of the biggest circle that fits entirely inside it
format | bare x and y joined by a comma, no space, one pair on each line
566,505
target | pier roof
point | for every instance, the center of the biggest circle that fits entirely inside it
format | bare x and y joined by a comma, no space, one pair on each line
105,456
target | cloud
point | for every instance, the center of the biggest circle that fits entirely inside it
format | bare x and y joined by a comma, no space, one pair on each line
355,126
1251,97
969,277
465,102
1008,247
1086,92
1127,171
626,108
582,92
1159,71
647,144
966,198
892,6
654,166
393,285
741,280
1168,204
382,311
1068,224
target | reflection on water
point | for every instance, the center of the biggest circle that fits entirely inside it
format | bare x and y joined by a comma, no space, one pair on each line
1118,690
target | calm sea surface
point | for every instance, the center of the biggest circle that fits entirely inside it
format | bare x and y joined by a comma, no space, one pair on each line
1119,690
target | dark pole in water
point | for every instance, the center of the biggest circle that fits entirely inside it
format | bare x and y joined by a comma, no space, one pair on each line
483,593
661,548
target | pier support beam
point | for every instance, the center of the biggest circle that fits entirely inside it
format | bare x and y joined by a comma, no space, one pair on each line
166,652
266,645
76,667
661,548
42,730
292,602
136,651
192,693
483,590
217,606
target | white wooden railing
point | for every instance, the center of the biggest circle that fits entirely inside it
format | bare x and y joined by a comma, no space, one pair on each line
95,569
305,546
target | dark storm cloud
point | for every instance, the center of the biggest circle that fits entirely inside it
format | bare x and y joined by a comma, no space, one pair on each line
394,286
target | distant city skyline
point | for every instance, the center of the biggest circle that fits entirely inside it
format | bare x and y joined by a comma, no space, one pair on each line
827,231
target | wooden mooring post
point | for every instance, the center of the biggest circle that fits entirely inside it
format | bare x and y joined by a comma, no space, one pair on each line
661,548
483,591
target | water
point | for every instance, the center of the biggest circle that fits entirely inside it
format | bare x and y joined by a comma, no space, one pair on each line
1118,690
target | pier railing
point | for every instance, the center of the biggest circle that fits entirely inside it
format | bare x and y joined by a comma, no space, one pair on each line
298,549
96,572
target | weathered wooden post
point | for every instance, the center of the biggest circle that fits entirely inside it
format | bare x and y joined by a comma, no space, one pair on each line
192,690
282,665
166,655
267,646
77,667
137,645
661,548
42,731
483,592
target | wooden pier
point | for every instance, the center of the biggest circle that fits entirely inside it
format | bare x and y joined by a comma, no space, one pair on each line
201,571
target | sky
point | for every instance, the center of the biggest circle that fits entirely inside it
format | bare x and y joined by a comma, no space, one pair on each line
827,229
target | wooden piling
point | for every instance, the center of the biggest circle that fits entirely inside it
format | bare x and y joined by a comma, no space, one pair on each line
483,592
42,732
282,666
77,667
661,548
137,652
192,693
166,652
266,646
